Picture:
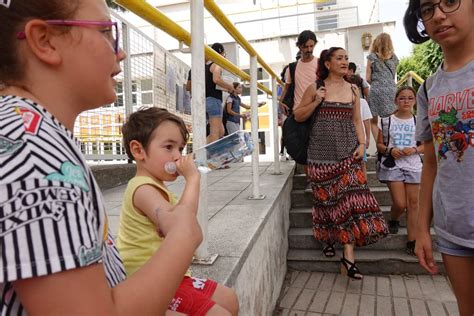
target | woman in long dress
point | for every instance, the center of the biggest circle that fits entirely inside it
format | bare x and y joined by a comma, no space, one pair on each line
344,210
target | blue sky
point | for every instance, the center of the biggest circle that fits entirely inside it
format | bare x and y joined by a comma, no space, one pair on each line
393,10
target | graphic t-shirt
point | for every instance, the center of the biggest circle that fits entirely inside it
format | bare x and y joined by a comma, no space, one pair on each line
52,213
447,118
402,135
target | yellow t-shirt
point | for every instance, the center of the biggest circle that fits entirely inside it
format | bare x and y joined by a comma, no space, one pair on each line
137,238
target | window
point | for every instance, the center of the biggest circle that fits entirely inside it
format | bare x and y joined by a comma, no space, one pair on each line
327,22
108,147
119,91
119,150
262,77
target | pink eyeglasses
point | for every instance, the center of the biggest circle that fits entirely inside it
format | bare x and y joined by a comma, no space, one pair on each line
112,34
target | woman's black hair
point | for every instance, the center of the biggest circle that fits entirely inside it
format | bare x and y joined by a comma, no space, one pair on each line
414,28
323,71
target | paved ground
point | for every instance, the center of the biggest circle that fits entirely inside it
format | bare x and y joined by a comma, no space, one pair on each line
315,293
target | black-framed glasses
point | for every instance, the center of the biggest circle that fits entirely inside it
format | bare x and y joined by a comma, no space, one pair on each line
427,10
112,34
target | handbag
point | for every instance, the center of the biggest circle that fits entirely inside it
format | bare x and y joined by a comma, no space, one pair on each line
296,135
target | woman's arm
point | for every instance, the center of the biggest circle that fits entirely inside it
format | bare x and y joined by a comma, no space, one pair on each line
311,99
368,71
381,148
356,115
359,153
216,77
367,132
282,105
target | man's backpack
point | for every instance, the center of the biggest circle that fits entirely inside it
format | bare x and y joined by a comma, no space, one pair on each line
289,99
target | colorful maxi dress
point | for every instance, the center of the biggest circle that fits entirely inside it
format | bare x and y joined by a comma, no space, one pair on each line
344,209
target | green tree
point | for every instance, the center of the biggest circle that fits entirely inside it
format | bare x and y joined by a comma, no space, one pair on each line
424,60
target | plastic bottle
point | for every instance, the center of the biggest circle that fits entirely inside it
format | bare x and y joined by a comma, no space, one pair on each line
229,149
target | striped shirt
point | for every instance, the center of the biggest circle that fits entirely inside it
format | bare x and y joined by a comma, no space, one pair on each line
52,213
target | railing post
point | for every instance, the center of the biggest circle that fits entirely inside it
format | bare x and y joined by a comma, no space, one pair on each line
274,128
127,71
202,255
410,80
253,103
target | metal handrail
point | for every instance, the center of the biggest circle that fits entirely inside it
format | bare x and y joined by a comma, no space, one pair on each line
407,77
161,21
220,16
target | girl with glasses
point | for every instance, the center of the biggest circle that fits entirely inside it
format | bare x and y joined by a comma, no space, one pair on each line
57,59
396,140
445,123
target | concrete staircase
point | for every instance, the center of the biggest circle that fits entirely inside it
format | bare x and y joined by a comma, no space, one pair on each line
384,257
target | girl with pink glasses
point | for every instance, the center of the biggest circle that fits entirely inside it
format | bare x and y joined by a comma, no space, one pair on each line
57,59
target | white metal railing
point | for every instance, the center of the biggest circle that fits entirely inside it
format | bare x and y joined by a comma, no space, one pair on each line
151,77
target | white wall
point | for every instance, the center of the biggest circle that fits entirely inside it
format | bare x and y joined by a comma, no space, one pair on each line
354,42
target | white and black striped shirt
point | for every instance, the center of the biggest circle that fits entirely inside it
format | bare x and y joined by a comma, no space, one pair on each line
52,214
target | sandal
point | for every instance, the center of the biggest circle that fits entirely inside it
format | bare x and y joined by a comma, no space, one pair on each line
329,251
352,271
411,248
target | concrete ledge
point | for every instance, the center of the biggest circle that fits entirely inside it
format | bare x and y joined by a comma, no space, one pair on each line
251,238
110,176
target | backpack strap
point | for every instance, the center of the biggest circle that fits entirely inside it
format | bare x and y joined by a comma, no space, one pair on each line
427,86
292,67
388,130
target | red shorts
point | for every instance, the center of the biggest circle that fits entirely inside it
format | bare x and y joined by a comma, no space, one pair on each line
193,296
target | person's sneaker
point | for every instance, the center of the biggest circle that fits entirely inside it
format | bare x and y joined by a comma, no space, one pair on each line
308,188
393,226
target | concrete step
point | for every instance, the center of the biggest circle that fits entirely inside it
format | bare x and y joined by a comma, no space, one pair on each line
302,217
301,199
302,238
299,181
368,261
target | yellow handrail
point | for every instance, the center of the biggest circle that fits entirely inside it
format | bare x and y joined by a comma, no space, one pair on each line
161,21
220,16
412,74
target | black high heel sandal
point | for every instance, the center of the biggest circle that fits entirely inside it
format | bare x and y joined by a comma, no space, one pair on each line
352,271
329,251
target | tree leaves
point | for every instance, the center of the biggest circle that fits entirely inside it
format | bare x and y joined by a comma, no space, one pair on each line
424,60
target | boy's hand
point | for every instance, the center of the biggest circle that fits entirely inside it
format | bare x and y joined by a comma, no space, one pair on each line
186,167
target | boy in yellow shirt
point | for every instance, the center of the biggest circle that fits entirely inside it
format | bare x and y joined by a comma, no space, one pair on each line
154,137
